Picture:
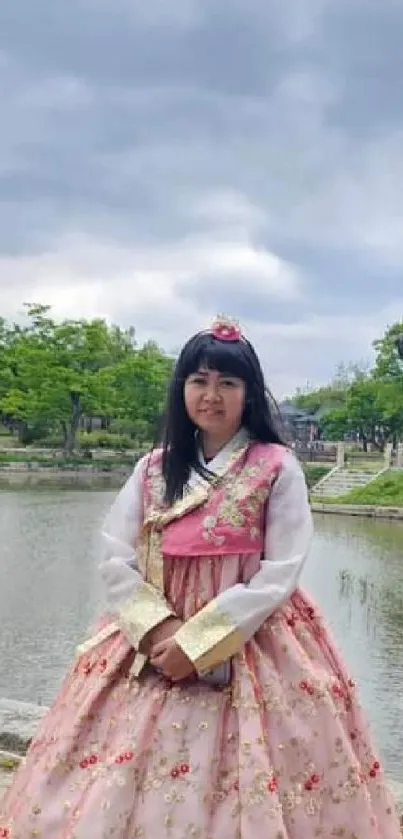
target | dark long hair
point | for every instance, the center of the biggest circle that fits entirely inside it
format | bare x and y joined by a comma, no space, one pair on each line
261,417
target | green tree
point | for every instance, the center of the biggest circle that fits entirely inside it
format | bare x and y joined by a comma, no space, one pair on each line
388,373
388,364
362,401
373,410
361,413
321,399
140,382
54,373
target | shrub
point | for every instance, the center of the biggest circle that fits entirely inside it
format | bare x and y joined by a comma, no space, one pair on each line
51,442
104,440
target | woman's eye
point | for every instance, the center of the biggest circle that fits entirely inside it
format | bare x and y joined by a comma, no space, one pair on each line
228,382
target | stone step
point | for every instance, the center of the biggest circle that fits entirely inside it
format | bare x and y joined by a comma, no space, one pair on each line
345,482
342,482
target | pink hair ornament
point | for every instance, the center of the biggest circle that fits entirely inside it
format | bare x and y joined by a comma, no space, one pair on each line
225,329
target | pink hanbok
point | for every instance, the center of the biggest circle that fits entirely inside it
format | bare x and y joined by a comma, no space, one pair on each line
278,749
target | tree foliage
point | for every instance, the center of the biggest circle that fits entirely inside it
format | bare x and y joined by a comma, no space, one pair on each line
52,374
362,402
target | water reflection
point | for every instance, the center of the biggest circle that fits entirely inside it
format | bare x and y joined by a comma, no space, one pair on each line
356,572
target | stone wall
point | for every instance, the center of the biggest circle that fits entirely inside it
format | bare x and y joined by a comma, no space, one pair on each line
19,722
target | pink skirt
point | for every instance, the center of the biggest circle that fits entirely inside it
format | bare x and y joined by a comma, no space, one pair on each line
283,752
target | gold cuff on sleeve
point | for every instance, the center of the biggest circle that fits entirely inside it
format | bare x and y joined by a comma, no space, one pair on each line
209,638
142,613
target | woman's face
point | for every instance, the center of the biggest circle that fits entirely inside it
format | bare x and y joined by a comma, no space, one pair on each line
215,402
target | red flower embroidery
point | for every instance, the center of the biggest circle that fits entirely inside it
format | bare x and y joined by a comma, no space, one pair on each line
88,761
307,687
353,735
124,757
181,769
272,785
5,833
87,668
310,612
103,665
337,691
312,782
291,621
374,769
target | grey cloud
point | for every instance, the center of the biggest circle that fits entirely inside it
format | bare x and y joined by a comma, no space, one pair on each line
360,53
246,299
117,125
227,50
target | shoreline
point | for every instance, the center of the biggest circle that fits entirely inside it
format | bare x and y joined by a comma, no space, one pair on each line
369,511
91,477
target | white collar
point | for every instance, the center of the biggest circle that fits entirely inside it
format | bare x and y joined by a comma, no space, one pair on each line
218,463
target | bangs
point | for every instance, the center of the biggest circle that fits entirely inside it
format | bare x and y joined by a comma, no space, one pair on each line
207,352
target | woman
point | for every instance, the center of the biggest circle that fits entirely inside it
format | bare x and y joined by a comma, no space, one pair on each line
211,701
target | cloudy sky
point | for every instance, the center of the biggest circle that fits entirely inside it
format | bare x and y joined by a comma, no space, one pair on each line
162,160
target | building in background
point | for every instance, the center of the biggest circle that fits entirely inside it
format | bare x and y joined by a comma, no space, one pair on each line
300,425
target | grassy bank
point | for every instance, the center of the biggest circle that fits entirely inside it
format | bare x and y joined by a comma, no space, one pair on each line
314,473
385,491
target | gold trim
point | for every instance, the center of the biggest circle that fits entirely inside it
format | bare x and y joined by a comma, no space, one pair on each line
209,638
149,553
100,636
142,613
194,498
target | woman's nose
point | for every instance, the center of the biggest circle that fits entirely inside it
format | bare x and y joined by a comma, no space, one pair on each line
212,393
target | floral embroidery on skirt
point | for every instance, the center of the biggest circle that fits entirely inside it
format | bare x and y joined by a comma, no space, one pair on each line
283,752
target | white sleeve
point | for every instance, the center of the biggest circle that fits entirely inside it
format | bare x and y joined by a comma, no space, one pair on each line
289,534
119,536
137,606
234,616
